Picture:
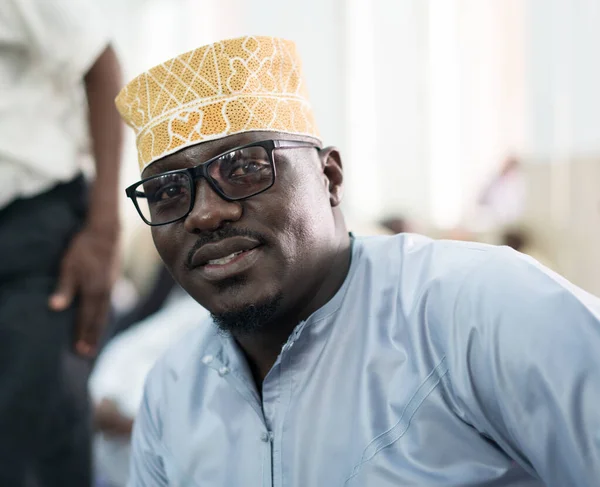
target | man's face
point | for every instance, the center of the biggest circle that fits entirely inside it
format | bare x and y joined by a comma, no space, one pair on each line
266,251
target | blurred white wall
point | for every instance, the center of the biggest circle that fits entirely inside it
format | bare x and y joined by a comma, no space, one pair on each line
563,134
386,48
563,78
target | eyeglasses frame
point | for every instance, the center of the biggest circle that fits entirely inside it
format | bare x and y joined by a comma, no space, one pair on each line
201,172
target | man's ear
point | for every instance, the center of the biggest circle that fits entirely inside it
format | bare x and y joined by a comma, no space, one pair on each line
331,162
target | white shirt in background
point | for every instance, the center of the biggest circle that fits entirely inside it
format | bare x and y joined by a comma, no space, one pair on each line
121,370
46,48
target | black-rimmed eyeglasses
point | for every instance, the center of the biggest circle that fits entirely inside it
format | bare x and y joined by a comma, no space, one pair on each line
235,175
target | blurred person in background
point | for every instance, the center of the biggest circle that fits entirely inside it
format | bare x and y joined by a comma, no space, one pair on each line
519,238
502,200
58,234
117,381
331,359
145,306
397,224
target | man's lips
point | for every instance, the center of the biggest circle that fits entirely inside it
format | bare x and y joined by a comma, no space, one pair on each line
222,252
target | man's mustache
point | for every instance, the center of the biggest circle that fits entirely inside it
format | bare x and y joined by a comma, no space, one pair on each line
218,235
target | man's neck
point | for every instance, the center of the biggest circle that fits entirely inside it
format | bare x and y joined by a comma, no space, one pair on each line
262,349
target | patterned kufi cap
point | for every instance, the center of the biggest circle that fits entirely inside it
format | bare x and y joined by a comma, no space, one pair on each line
232,86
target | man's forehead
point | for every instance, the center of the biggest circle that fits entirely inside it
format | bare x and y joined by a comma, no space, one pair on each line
202,152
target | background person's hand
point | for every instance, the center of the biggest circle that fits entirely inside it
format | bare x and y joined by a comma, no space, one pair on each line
109,420
88,272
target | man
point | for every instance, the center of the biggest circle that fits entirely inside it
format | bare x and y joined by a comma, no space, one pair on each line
333,360
58,241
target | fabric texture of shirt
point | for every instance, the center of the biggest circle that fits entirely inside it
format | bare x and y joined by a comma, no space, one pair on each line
436,363
46,48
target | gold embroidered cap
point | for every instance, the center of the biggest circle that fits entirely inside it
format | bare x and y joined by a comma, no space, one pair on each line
229,87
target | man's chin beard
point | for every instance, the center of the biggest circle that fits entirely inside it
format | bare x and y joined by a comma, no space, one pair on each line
250,319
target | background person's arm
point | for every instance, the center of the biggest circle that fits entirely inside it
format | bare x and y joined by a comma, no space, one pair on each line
69,40
89,268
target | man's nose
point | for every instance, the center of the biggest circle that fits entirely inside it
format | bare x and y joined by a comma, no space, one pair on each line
210,211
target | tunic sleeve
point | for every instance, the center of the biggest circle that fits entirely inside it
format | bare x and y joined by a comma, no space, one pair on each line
523,351
147,467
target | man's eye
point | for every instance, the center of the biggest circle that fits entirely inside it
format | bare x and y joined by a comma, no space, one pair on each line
170,192
166,192
246,168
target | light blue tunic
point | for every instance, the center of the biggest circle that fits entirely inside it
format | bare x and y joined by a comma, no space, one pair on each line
436,364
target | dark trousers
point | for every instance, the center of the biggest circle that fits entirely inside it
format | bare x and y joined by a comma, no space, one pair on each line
44,410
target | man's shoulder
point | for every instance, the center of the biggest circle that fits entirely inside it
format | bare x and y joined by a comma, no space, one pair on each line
435,281
410,243
423,260
435,274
